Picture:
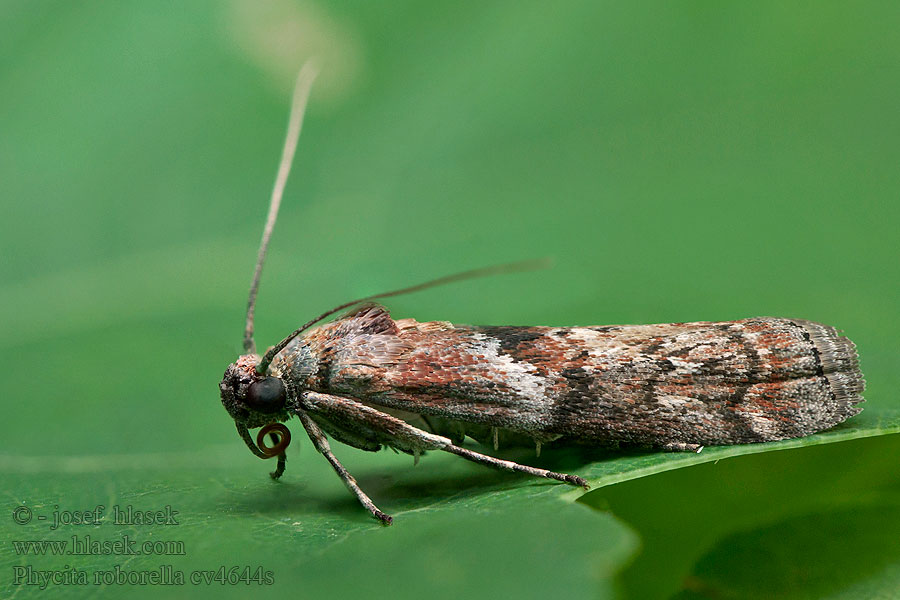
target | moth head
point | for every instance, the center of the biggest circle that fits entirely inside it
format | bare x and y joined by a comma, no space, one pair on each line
250,398
253,400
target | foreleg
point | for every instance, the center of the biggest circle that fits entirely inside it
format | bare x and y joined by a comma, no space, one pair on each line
402,435
321,444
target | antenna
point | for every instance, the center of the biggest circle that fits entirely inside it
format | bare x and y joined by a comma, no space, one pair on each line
298,107
525,265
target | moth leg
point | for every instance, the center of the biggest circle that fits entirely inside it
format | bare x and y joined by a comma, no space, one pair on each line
369,422
279,468
508,465
403,435
321,444
682,447
282,459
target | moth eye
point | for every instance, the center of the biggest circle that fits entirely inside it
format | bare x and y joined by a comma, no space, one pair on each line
266,396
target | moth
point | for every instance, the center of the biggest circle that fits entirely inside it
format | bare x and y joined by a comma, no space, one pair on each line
370,381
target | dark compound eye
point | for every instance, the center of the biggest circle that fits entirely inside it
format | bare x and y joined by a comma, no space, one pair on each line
266,396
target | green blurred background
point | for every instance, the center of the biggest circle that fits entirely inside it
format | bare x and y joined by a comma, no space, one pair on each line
677,161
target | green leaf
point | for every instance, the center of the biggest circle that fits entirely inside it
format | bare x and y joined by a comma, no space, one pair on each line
457,525
807,557
814,522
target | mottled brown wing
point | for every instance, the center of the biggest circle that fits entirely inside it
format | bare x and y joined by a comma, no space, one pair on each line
696,383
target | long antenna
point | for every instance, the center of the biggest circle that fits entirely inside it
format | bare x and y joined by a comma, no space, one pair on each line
298,107
525,265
